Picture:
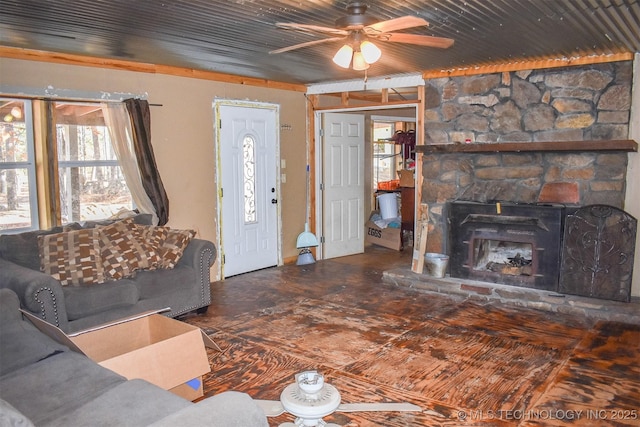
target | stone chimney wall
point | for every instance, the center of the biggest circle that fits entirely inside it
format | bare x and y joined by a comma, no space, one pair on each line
569,104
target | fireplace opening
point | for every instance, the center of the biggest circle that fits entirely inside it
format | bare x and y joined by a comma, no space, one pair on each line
503,257
507,243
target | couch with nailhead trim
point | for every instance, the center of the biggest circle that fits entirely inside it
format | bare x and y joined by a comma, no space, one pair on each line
183,288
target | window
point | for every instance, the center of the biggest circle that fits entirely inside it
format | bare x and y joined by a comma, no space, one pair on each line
89,182
92,185
389,157
249,178
386,154
18,201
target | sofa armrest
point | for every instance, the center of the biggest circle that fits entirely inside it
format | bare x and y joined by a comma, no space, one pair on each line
38,292
200,255
228,409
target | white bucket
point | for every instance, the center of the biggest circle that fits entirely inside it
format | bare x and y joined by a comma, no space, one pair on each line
388,205
436,264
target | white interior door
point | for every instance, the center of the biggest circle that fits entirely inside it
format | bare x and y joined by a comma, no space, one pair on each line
247,143
343,184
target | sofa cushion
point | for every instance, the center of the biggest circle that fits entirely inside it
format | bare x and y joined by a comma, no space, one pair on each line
57,385
142,219
154,284
88,300
173,246
137,403
22,248
230,409
11,417
21,344
155,236
72,257
169,243
125,250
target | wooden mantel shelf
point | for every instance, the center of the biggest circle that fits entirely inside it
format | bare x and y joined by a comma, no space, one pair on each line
628,145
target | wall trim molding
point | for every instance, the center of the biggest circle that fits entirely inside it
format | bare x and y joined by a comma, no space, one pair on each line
140,67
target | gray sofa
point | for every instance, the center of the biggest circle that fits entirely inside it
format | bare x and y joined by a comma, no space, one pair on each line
43,383
183,289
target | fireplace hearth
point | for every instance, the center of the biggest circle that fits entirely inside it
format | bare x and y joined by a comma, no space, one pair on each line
506,243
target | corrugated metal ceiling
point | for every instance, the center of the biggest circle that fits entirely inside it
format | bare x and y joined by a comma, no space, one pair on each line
235,36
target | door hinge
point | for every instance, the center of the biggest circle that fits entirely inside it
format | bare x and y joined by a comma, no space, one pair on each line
321,239
321,132
321,187
222,192
224,260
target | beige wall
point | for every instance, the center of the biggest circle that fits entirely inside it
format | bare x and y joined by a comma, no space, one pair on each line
182,134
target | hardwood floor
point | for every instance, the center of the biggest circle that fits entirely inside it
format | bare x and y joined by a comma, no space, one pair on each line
463,363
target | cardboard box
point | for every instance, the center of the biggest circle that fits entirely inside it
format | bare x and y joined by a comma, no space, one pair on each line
388,237
407,178
191,390
161,350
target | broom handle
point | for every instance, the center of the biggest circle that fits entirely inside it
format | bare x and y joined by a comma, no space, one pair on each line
306,189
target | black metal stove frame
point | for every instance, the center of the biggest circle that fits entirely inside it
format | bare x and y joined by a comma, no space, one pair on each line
533,224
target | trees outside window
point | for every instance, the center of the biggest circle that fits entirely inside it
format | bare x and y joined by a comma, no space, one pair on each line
90,184
18,202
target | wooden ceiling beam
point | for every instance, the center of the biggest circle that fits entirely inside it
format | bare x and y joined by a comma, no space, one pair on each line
365,106
117,64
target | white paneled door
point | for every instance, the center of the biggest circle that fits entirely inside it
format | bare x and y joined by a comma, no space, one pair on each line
343,184
248,162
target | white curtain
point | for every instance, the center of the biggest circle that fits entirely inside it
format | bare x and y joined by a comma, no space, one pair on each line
119,127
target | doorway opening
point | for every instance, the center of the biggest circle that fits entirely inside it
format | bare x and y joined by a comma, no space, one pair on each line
390,156
390,159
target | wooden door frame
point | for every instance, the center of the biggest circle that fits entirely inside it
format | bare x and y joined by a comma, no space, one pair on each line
216,104
314,120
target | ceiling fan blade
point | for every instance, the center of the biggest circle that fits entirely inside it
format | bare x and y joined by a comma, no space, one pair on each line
396,24
306,44
440,42
375,407
312,28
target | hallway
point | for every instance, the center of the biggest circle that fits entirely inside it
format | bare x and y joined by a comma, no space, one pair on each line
462,362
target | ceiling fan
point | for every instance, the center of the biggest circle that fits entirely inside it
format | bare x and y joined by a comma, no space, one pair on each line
310,398
357,30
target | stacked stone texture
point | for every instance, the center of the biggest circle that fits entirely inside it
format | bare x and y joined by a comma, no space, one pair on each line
554,105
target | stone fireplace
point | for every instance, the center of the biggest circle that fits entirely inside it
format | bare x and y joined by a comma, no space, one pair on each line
538,137
531,137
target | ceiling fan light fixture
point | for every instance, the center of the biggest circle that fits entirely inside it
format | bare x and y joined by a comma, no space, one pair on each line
370,51
16,112
343,56
359,63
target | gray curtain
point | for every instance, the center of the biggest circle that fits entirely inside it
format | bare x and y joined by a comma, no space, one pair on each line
139,113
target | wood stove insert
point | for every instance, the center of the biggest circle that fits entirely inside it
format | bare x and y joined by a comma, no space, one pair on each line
506,243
